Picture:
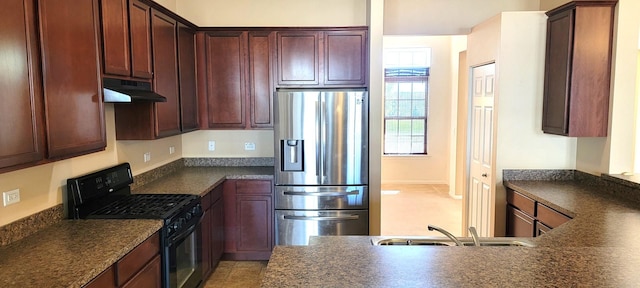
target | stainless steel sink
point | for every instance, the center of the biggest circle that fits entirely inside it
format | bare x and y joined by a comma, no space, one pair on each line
443,241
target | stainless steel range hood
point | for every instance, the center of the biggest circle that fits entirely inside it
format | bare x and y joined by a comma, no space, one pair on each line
126,91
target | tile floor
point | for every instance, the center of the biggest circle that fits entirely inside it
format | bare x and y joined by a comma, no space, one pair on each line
230,274
407,212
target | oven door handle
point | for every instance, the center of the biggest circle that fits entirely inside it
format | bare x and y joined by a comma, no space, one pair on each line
185,233
329,193
322,218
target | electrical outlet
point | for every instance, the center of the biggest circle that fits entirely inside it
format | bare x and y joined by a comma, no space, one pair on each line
147,157
212,145
172,150
11,197
249,146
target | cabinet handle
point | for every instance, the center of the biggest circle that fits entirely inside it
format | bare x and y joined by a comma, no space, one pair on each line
484,174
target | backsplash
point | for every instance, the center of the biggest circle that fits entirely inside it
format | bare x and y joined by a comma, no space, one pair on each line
256,161
24,227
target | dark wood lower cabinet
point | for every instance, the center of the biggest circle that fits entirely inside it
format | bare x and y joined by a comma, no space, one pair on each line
139,268
519,224
212,231
529,218
248,220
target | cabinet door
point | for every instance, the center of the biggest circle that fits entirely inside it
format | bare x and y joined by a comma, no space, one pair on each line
345,58
226,79
165,80
72,84
21,126
206,243
255,223
187,73
217,231
140,31
541,229
115,37
556,85
519,224
298,58
261,48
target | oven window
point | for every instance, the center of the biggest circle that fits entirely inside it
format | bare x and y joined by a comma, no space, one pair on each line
184,261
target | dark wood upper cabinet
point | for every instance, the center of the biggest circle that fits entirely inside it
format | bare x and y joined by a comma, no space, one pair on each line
323,58
74,112
165,80
298,58
140,31
261,88
226,78
187,73
578,69
126,38
21,111
345,58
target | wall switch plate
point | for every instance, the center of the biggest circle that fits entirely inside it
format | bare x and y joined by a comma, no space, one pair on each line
212,145
11,197
172,150
147,157
249,146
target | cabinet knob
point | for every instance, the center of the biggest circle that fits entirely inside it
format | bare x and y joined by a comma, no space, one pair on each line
484,174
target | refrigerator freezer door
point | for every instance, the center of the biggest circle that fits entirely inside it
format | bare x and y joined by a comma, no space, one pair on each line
321,197
333,127
294,227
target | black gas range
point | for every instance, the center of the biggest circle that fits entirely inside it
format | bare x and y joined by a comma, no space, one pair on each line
106,194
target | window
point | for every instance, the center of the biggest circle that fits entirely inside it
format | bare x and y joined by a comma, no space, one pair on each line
406,99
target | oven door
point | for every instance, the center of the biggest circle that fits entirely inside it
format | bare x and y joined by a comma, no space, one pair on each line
184,258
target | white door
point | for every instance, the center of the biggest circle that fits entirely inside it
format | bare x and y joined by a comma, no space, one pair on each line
480,185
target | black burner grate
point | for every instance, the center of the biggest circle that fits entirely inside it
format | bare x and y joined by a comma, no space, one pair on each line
152,206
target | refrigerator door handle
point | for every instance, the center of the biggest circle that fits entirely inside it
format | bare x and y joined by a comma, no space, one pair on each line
318,143
328,193
323,139
322,218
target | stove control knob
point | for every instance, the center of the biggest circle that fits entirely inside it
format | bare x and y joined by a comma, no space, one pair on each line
187,216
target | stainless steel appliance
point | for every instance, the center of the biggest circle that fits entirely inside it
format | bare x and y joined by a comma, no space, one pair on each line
106,194
321,164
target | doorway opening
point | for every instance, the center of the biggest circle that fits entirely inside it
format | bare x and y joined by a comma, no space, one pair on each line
418,164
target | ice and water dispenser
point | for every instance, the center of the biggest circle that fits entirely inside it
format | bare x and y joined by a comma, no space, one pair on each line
292,157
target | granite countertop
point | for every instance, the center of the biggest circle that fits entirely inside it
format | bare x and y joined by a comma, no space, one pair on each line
598,248
71,252
201,180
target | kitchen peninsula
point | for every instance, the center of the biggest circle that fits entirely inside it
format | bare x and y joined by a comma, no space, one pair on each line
598,248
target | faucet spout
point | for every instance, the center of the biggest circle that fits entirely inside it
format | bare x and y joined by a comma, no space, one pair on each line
474,235
446,233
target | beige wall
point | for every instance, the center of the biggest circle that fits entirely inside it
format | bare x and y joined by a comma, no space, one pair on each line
434,167
428,17
546,5
228,143
247,13
515,40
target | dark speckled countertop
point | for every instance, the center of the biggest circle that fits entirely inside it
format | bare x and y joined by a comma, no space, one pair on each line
598,248
71,252
201,180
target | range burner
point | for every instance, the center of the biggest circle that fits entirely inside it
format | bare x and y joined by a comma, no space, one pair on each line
146,206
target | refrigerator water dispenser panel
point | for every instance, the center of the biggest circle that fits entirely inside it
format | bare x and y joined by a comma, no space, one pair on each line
292,155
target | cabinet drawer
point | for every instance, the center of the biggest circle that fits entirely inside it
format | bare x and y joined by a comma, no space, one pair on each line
521,202
550,217
131,263
253,187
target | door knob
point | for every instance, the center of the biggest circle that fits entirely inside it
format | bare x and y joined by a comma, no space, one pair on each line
484,174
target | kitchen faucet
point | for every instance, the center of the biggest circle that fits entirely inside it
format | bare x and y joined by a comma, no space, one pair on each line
474,235
446,233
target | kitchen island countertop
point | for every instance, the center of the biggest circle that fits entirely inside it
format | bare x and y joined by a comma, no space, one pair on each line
598,248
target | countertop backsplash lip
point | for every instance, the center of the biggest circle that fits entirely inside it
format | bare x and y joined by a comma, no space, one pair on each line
31,224
228,162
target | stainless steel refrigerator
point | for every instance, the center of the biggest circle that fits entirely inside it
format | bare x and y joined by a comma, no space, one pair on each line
321,164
